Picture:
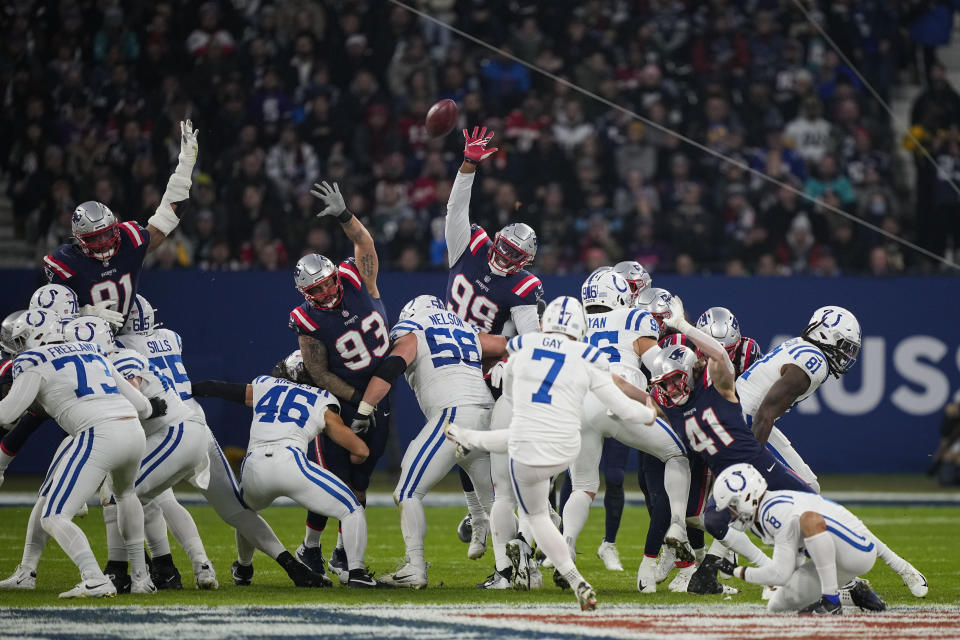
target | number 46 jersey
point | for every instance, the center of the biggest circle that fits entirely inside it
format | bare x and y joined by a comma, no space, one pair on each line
756,381
446,372
287,413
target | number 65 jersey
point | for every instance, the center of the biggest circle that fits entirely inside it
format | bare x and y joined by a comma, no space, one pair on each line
755,382
286,413
446,372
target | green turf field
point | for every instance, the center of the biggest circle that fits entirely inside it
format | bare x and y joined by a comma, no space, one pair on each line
925,536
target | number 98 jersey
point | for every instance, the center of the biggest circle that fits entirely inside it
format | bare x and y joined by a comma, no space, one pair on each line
287,413
355,333
446,372
756,381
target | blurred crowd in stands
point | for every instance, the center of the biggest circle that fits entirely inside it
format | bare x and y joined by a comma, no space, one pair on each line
287,93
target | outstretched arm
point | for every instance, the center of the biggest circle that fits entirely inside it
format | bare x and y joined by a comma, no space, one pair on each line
792,384
401,355
315,360
22,393
457,227
162,223
232,391
364,249
721,367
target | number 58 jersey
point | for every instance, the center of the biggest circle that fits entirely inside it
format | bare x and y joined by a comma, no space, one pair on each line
755,382
287,413
446,372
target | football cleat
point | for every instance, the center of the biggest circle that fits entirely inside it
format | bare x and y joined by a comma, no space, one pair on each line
496,581
586,596
242,574
465,529
822,607
361,579
92,588
407,575
676,539
704,579
518,551
205,577
610,556
164,575
863,596
141,583
682,579
478,539
666,563
338,565
559,581
915,581
116,571
313,558
21,579
647,576
300,573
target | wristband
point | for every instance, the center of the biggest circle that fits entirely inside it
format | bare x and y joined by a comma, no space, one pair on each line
356,397
470,160
344,217
164,220
365,409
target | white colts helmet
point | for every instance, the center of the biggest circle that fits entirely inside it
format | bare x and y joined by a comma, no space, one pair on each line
142,317
35,328
605,289
739,488
564,315
421,303
56,298
6,331
672,374
95,229
513,248
637,277
837,332
720,323
90,329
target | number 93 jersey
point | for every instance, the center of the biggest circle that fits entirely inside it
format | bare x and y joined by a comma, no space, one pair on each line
756,381
446,372
78,389
287,413
354,333
614,333
481,298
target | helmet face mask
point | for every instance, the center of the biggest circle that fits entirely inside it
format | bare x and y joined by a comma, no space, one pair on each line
672,375
513,248
635,275
6,332
318,279
96,230
674,388
36,328
325,293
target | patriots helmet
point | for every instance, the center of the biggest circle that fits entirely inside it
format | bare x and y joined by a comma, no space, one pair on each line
672,374
637,277
6,332
513,248
720,323
318,279
656,301
96,230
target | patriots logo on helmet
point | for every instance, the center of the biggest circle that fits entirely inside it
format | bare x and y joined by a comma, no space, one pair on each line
77,214
676,354
742,479
296,271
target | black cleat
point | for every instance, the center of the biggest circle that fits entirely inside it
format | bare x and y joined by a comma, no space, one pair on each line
338,565
242,574
300,573
866,598
822,607
559,580
117,573
164,574
465,529
313,558
704,580
362,579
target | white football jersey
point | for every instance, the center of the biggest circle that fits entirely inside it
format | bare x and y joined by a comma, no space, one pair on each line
549,375
287,413
153,384
164,349
446,372
614,333
778,517
754,383
78,389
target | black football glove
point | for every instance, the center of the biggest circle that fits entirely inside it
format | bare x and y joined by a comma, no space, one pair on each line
159,406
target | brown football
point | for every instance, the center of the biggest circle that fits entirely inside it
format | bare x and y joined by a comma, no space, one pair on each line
441,119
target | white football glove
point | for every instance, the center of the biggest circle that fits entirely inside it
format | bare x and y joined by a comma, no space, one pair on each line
188,146
103,310
331,197
452,431
676,316
496,374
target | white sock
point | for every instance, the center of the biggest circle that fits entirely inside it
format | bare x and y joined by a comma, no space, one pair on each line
130,520
550,541
503,529
116,547
473,505
887,554
311,537
36,537
340,536
823,553
354,538
71,539
183,528
676,482
154,528
739,542
717,548
575,513
413,525
245,549
524,529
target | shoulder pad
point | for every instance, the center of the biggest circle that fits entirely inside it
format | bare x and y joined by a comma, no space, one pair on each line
26,361
809,358
528,284
138,235
129,362
56,267
640,321
404,327
350,274
478,239
301,322
515,344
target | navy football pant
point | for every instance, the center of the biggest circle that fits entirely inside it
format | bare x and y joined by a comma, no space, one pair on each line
655,494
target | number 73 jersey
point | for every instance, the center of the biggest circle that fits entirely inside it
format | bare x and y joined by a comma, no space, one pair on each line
755,382
355,333
287,413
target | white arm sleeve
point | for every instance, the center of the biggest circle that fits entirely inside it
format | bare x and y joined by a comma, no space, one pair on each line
614,399
525,318
777,572
649,356
457,227
127,390
22,393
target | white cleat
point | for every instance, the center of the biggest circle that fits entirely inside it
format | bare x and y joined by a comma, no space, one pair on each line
610,556
82,511
495,581
682,579
915,581
141,583
519,552
536,578
768,592
586,596
676,539
205,577
478,539
21,579
92,588
647,577
407,575
666,563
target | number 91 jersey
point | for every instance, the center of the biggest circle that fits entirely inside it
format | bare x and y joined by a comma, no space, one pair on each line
756,381
355,333
287,413
446,372
481,298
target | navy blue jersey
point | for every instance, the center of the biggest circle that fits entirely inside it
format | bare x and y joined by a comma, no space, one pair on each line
479,296
713,427
6,372
355,332
96,280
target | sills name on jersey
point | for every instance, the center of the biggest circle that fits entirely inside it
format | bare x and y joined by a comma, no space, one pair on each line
159,346
448,318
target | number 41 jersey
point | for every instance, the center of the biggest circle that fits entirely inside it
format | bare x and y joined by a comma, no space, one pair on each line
287,413
481,298
755,382
446,372
355,333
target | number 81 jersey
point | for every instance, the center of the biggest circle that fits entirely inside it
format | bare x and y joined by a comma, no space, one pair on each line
755,382
355,332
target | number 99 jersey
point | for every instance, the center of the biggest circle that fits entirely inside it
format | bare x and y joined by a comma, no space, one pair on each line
446,372
287,413
756,381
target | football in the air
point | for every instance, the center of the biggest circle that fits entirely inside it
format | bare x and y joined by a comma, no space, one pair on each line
442,118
